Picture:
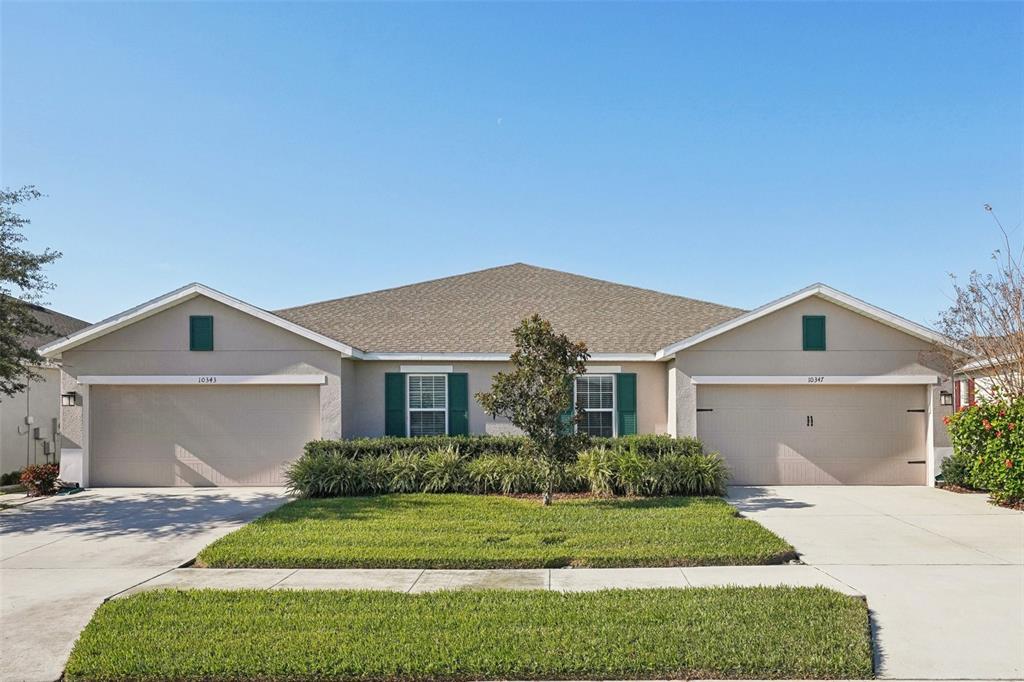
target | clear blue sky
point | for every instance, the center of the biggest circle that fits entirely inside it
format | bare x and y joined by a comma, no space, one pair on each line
286,153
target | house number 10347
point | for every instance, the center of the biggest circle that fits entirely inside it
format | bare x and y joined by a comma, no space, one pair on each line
815,380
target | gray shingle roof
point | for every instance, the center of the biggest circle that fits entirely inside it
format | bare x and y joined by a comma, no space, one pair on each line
475,313
61,324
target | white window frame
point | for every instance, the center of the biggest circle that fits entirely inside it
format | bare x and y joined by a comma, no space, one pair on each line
615,400
409,409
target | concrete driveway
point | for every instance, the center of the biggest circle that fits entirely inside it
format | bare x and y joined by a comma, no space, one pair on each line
61,557
943,572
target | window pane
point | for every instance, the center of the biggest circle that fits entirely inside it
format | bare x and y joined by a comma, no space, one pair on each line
428,392
427,424
597,424
594,392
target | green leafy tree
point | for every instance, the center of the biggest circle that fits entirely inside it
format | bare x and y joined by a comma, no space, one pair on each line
537,393
22,281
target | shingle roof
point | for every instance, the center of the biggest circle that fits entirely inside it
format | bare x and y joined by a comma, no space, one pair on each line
475,313
61,324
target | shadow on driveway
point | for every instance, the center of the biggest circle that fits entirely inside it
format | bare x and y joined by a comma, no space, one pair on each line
754,499
152,514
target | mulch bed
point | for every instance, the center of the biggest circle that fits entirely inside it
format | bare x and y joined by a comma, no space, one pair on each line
1018,505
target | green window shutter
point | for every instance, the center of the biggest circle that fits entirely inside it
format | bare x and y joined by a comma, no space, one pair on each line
566,416
458,404
394,404
625,403
200,332
814,332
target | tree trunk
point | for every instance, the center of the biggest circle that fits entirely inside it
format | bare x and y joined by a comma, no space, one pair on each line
549,482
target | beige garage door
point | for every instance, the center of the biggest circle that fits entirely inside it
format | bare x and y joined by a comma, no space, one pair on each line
198,435
816,434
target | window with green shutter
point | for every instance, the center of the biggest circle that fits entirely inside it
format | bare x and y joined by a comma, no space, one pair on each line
200,332
814,332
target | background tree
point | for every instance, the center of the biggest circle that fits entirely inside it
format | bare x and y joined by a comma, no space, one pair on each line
987,318
538,392
22,281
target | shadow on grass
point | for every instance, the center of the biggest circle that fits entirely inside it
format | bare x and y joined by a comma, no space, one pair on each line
373,507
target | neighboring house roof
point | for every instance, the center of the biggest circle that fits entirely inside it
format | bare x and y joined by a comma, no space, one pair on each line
61,325
476,312
988,363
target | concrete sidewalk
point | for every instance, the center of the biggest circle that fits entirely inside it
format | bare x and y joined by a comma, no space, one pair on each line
559,579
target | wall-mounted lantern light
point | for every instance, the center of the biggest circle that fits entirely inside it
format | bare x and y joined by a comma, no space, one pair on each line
68,399
945,398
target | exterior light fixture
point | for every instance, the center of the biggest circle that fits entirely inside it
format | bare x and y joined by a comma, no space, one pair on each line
68,399
945,398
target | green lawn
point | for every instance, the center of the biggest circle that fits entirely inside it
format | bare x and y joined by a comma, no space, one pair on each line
481,531
733,632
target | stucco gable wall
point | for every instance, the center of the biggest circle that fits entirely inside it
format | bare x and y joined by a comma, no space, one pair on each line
773,345
159,345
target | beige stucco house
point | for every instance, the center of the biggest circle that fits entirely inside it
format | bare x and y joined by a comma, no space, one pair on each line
199,388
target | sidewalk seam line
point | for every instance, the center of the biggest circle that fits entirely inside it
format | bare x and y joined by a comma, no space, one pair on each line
409,589
283,579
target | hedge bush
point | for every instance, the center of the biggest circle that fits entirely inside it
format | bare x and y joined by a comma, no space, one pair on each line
988,449
478,446
633,465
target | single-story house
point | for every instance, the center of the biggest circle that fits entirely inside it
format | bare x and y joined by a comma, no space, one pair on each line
198,388
981,377
29,432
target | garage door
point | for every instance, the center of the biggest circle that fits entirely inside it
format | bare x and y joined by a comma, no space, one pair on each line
816,434
198,435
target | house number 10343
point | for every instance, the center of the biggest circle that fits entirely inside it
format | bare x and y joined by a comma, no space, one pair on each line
207,380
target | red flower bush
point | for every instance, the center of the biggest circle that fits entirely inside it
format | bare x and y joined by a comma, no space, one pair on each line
40,479
988,448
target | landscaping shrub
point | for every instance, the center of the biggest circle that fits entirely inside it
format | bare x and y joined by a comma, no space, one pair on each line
634,465
40,479
470,447
505,474
444,470
956,470
988,441
11,478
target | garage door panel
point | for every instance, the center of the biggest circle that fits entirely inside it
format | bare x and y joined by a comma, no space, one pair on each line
860,434
198,435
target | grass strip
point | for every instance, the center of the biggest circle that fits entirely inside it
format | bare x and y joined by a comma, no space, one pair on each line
730,632
483,531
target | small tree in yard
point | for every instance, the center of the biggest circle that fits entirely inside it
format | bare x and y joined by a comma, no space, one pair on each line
987,318
538,391
21,273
